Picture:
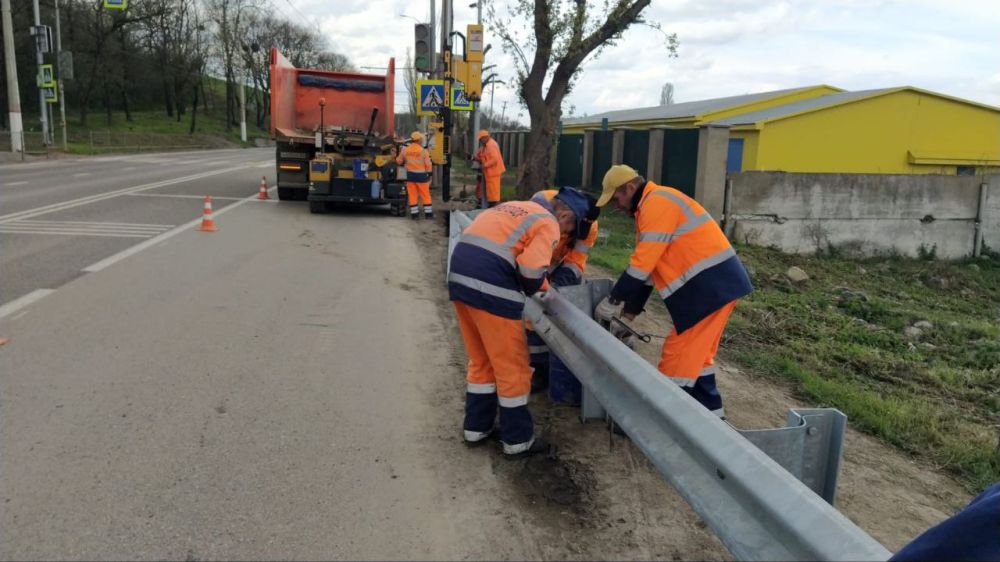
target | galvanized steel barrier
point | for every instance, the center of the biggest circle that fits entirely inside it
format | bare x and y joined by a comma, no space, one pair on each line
757,508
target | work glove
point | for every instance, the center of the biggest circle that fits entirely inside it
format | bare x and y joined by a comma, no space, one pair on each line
606,310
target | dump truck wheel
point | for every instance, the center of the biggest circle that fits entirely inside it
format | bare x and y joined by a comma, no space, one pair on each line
286,194
317,207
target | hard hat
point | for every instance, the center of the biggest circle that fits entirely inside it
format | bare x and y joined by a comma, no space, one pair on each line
482,133
582,206
617,176
416,136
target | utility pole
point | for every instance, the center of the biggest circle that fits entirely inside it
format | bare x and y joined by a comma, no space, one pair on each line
59,71
475,107
446,20
13,95
503,112
40,60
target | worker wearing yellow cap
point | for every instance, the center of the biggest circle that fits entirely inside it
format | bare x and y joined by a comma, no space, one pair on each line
682,253
418,175
492,166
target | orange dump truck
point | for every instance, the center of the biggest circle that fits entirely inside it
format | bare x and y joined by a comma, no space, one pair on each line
334,133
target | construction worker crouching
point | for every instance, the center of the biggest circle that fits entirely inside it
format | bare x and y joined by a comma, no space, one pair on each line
682,253
417,161
502,257
569,261
493,167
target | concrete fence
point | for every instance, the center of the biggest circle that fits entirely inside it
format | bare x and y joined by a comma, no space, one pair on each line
868,214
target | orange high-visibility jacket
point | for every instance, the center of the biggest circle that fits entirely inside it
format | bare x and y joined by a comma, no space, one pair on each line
683,252
569,259
417,161
491,159
503,256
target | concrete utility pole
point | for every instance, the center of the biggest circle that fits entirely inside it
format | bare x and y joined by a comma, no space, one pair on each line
59,71
13,96
446,22
43,113
475,107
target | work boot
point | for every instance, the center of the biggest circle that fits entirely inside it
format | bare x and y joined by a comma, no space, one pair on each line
429,216
540,445
491,436
414,216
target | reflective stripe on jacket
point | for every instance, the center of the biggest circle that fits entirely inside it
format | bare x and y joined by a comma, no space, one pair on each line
685,254
417,161
502,256
569,259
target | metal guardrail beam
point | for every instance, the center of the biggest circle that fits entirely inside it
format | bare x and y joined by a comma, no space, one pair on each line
758,509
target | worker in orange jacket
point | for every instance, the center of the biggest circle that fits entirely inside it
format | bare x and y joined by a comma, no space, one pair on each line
682,253
500,258
492,164
569,261
417,160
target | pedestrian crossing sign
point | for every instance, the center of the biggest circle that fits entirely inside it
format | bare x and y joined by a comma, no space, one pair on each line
458,100
430,96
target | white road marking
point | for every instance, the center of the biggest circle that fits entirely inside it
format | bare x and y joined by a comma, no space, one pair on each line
21,315
17,304
80,228
81,174
111,260
7,230
267,165
154,226
30,213
214,198
129,169
13,183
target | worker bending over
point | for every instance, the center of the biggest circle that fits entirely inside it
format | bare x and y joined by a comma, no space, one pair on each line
682,252
491,161
569,261
499,259
417,160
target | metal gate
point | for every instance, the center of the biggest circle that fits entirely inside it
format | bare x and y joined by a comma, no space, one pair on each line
569,161
636,150
680,159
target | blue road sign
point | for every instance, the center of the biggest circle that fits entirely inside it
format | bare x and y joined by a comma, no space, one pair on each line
430,96
458,100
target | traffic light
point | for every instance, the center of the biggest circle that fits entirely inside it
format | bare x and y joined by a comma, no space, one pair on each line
422,47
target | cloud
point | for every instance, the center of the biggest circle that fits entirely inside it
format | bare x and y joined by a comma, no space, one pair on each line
728,47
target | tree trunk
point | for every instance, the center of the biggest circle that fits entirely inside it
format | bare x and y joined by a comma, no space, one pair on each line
194,109
534,172
168,101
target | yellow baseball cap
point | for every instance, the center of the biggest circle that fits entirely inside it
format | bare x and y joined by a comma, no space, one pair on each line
482,133
416,135
617,176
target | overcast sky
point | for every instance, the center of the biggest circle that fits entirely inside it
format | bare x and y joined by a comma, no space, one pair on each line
727,47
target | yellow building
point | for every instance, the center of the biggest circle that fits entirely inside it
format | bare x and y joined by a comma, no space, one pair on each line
889,131
824,129
695,113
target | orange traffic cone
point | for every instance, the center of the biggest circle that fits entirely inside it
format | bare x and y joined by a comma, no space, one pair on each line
207,224
263,189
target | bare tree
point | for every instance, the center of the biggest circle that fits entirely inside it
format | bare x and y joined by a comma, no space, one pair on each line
561,35
667,94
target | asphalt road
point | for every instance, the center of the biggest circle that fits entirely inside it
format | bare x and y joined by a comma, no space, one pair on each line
59,217
274,390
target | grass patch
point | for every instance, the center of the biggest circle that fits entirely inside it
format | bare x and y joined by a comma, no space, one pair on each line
845,339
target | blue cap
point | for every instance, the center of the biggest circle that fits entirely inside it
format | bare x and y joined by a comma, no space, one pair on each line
582,207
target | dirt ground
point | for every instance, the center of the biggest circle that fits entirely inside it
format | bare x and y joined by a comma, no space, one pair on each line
601,499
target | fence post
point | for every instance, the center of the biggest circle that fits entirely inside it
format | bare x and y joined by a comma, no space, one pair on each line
710,178
654,157
617,146
588,159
